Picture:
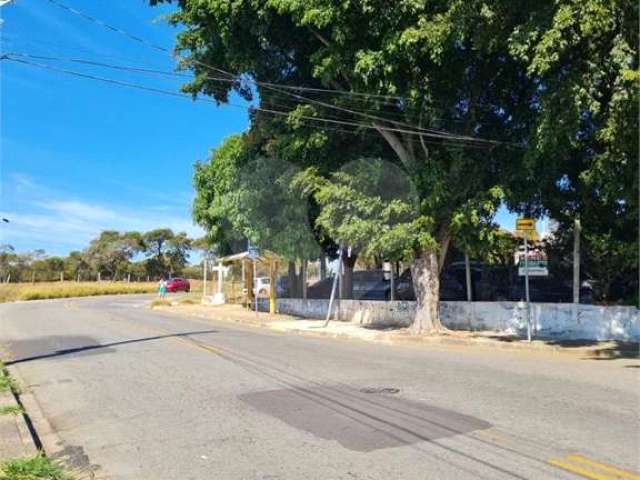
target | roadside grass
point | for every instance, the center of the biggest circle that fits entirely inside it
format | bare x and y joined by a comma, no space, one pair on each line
11,410
10,292
189,301
160,302
40,291
32,468
7,383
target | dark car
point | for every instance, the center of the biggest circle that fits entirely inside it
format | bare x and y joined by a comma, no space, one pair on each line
370,285
450,288
367,285
550,290
320,289
178,285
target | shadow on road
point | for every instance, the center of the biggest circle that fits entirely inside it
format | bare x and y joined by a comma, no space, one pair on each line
30,350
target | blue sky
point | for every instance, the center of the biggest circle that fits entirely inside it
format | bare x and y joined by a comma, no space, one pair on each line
79,156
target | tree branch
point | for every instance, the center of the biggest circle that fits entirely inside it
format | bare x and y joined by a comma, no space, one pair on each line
396,144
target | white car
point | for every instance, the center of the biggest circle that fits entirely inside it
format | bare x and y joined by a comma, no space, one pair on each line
262,286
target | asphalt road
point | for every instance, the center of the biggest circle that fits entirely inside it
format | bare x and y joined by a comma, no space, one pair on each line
146,395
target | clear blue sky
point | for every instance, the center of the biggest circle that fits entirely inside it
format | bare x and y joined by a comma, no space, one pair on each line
79,156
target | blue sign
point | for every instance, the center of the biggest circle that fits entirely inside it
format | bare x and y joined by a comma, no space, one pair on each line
253,253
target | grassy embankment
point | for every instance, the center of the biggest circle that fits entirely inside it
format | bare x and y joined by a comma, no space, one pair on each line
10,292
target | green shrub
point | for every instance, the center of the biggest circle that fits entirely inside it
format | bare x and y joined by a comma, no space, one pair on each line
160,302
11,410
32,468
189,301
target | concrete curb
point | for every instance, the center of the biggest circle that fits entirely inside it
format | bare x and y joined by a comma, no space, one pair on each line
16,438
51,442
598,350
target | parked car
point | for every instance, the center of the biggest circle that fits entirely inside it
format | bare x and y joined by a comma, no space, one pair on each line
320,289
282,287
450,287
370,285
262,286
178,285
550,290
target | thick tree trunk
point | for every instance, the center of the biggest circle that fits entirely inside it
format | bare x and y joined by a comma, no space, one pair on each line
303,278
346,283
293,293
323,265
425,272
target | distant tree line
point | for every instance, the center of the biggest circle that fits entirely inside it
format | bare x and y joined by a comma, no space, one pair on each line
112,255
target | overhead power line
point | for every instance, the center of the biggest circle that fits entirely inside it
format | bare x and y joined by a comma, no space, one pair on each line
268,85
169,73
172,93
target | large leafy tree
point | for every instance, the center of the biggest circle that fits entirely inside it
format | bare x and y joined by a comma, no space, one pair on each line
242,195
112,251
167,252
459,71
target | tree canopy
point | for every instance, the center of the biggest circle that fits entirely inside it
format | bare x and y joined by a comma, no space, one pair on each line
530,103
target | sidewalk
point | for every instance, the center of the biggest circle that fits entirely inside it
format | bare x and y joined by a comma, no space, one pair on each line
347,330
15,439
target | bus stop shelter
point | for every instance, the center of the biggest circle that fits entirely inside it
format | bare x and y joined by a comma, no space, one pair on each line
265,258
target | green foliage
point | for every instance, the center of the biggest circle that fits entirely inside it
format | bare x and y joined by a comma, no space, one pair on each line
160,302
369,205
240,194
7,383
32,468
554,84
11,410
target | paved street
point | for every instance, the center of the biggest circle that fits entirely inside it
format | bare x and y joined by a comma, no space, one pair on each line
141,394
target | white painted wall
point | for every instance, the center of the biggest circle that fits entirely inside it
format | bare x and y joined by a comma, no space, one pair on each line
550,320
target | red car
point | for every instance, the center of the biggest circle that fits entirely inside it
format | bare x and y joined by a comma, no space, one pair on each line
178,284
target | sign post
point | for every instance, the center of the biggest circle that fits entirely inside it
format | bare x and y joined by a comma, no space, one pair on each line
525,226
253,255
526,286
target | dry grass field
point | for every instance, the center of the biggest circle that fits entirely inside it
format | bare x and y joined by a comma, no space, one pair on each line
10,292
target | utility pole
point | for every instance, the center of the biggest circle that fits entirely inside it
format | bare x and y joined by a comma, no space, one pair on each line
577,228
333,287
526,285
204,277
467,273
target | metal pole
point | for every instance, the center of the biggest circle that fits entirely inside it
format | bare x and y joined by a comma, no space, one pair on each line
333,287
576,260
526,285
204,277
255,294
467,277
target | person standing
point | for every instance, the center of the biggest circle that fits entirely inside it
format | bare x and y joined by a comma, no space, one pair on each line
162,288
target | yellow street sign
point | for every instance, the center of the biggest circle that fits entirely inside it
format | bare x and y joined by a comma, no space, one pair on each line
525,224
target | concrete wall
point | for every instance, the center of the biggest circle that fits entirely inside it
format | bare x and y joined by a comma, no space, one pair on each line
550,320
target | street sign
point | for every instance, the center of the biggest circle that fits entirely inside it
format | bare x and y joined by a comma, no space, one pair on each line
534,268
525,224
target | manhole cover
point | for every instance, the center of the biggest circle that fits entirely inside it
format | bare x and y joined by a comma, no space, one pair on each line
380,390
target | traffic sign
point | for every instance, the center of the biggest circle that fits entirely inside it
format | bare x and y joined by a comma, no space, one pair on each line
525,224
534,268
